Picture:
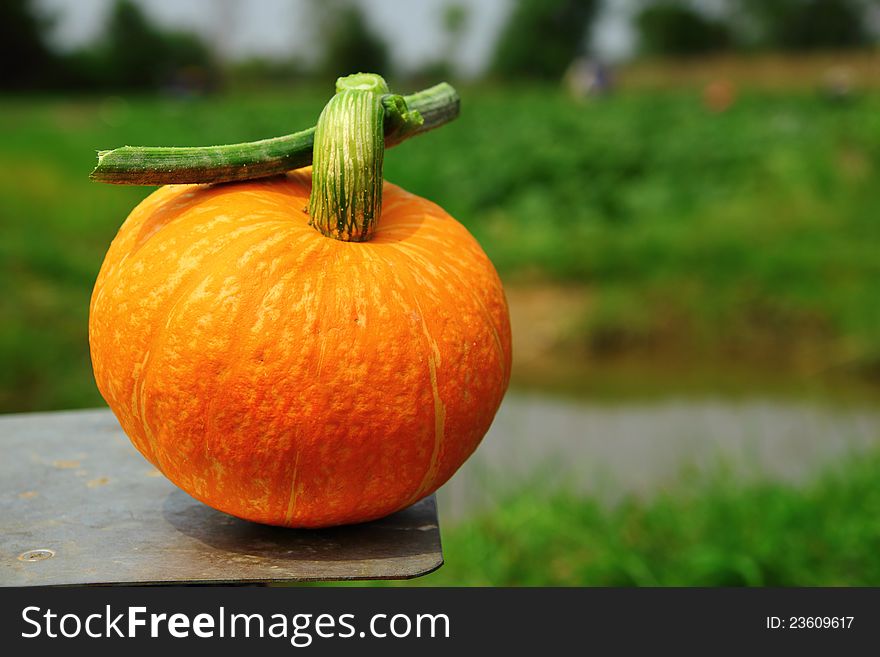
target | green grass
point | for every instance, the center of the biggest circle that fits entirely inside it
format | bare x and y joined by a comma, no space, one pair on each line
710,531
753,233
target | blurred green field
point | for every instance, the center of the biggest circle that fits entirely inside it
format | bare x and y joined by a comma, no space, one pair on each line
749,236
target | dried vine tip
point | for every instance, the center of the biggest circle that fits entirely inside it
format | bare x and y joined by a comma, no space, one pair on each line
404,117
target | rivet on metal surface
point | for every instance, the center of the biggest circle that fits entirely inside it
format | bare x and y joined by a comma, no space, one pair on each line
36,555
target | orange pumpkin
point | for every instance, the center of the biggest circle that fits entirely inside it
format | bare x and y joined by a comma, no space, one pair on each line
289,378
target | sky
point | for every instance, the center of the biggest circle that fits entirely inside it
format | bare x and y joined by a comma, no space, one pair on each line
284,28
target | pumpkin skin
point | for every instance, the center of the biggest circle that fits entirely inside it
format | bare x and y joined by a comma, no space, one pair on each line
292,379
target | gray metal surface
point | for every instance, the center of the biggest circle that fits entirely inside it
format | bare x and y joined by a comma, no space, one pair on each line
79,505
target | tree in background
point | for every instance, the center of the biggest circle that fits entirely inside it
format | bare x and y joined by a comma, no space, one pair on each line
131,47
132,54
136,54
349,45
673,27
27,60
805,24
542,37
453,20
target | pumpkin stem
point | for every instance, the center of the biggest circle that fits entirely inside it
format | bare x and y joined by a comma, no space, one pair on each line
348,156
163,165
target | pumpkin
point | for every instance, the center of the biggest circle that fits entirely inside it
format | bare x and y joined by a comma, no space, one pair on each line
289,378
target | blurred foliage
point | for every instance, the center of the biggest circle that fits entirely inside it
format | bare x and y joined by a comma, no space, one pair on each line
806,24
136,54
679,27
132,53
23,49
258,73
349,45
455,17
542,37
746,233
540,40
676,28
711,530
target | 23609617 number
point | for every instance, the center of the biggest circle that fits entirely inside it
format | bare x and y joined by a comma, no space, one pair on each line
819,622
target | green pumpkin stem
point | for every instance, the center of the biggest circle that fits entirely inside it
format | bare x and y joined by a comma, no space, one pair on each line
349,151
161,165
